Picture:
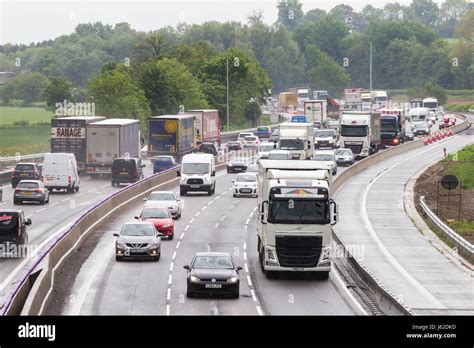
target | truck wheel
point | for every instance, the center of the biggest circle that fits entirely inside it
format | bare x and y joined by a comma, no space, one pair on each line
322,275
209,193
77,188
182,192
214,189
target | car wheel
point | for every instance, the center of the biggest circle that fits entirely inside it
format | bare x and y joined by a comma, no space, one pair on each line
189,293
171,236
118,258
236,295
214,189
182,192
15,202
323,275
113,184
43,201
157,258
77,188
234,195
209,193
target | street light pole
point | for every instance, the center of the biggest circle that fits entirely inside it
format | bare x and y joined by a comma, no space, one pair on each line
371,66
227,73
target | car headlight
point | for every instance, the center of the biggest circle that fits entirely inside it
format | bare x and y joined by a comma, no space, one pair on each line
183,179
207,179
331,140
154,245
233,280
194,279
166,226
121,245
230,165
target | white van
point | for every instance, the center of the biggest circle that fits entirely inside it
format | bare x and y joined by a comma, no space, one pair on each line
198,174
60,172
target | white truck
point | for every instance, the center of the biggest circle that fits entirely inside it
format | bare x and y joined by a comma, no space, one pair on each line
360,132
380,98
316,110
295,214
110,139
431,104
366,99
298,139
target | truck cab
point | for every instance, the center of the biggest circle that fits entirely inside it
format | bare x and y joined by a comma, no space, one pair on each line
360,132
298,139
296,212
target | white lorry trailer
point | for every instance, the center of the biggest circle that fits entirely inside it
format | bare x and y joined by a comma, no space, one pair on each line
298,139
316,110
295,214
360,132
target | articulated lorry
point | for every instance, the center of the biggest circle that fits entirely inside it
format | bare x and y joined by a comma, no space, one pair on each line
361,132
298,139
206,125
295,214
110,139
171,135
316,110
69,135
393,126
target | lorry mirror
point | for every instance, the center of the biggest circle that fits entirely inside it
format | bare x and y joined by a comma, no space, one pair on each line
334,211
178,173
116,234
28,222
213,173
309,145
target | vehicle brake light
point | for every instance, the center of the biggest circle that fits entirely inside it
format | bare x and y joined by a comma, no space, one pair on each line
42,177
13,174
38,191
69,179
17,190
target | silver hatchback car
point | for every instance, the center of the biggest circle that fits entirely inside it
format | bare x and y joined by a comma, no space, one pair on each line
31,191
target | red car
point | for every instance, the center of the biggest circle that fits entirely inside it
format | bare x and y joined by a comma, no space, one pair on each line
161,218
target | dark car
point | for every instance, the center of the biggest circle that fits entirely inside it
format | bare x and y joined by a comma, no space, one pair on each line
263,132
213,273
275,137
126,170
233,146
209,147
162,163
25,171
237,166
31,191
13,233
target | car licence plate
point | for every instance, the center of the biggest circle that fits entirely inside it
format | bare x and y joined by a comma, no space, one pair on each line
26,193
213,286
245,190
123,173
136,251
194,186
238,168
23,174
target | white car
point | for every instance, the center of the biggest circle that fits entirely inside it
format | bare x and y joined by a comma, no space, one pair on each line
265,148
251,141
245,184
325,138
165,199
280,155
242,135
344,156
326,157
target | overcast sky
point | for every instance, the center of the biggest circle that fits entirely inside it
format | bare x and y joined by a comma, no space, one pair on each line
33,21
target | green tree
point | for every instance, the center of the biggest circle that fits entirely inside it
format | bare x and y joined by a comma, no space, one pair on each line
58,90
426,11
169,86
115,94
290,13
430,89
324,72
28,87
315,15
451,13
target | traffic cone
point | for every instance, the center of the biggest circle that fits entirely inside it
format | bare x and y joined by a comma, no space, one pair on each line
425,140
438,136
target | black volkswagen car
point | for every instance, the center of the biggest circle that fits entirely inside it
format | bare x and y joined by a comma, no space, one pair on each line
213,273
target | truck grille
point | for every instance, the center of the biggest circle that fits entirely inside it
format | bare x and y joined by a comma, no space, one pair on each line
195,181
298,251
356,149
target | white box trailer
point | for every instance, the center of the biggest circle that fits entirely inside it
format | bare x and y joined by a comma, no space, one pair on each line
110,139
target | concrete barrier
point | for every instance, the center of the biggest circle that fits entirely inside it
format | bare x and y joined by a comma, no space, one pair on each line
31,294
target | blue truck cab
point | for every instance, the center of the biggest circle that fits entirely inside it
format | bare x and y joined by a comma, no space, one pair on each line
299,119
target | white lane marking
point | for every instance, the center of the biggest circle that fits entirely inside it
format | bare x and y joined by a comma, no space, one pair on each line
92,189
182,236
3,203
342,285
170,279
177,245
171,266
249,280
210,202
247,221
168,310
52,205
259,310
186,228
168,295
245,255
252,291
246,268
222,218
245,246
216,225
246,226
204,208
105,185
174,255
389,257
66,199
80,194
197,214
39,210
254,209
191,221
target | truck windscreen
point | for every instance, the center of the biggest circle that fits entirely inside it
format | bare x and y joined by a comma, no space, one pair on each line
430,105
298,211
389,125
291,144
354,131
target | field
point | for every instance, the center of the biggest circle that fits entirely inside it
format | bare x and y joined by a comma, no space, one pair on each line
463,166
9,115
24,140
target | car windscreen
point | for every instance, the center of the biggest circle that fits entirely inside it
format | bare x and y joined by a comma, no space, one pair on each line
250,138
243,135
291,144
28,185
263,129
213,262
195,168
323,134
25,167
138,230
343,152
354,131
323,157
155,214
161,197
9,224
246,178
